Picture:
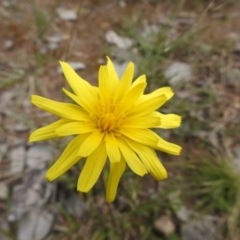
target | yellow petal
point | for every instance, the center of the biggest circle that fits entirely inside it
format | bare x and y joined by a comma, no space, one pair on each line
168,120
143,136
150,160
147,105
141,122
63,110
68,158
131,158
87,105
92,168
74,128
116,171
167,147
105,85
81,87
91,143
112,73
112,148
134,93
47,132
141,79
167,91
125,82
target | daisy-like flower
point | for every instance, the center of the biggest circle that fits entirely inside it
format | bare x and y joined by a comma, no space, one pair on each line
112,123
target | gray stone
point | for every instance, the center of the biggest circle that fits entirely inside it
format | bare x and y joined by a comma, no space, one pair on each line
54,38
75,206
8,44
66,14
35,225
52,46
121,42
20,127
199,229
17,159
183,213
178,72
32,193
38,155
165,225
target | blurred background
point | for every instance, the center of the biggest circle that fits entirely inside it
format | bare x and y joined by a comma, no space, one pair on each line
192,46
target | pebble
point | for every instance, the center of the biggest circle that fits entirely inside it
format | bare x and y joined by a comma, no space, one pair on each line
121,42
165,225
8,44
35,225
20,127
17,159
66,14
199,229
38,155
75,206
178,72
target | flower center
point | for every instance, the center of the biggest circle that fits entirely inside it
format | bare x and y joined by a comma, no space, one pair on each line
110,116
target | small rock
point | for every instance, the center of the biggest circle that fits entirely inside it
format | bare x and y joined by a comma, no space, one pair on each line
3,191
17,159
183,94
183,213
54,38
75,206
52,46
165,225
8,44
18,207
20,127
122,4
33,192
178,72
75,65
199,229
38,155
35,225
121,42
66,14
6,100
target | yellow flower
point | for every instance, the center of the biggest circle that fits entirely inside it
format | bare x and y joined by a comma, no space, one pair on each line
111,122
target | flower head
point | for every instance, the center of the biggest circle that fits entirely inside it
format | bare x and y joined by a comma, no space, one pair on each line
111,122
